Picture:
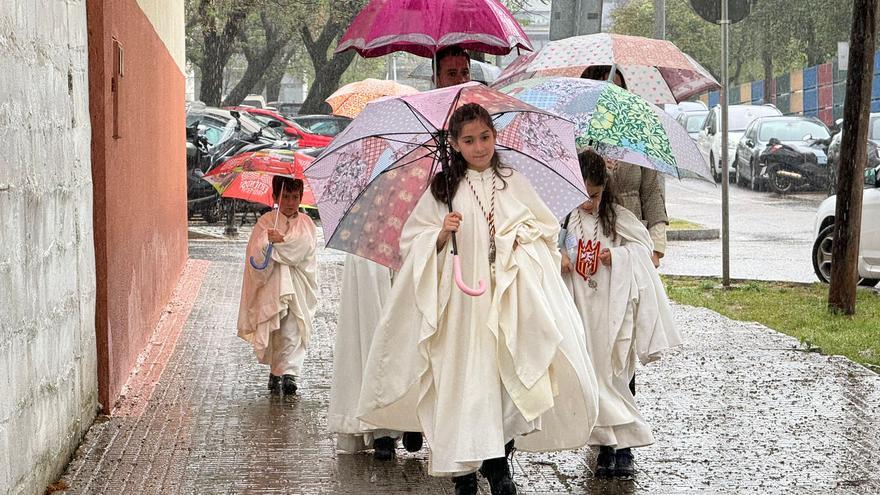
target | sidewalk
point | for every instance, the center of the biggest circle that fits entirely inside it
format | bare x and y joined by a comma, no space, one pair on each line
739,409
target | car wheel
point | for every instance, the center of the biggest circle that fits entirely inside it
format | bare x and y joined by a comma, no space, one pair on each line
737,174
822,247
715,174
779,183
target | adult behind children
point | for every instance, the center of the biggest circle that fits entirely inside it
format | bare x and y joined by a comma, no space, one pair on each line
624,309
473,373
637,188
279,301
365,289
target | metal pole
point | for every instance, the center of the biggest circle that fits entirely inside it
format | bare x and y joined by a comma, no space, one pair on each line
660,19
725,175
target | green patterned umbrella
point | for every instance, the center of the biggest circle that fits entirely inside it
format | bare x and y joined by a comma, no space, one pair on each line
618,124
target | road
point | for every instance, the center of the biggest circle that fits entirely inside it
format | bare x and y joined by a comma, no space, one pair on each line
771,236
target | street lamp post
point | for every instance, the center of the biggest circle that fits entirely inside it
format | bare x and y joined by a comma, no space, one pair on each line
725,167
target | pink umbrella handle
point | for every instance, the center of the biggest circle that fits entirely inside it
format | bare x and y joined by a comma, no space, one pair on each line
456,268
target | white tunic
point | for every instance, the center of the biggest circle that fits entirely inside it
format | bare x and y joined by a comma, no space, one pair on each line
286,288
365,289
474,372
626,316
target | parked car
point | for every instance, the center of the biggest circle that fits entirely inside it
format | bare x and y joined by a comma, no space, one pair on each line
676,109
783,151
873,152
255,101
739,117
304,137
325,125
869,239
692,121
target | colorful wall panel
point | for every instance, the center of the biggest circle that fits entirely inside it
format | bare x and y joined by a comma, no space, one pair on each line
745,93
826,96
797,81
797,102
824,75
810,77
757,91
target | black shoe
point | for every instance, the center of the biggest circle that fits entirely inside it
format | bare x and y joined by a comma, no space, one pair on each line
465,485
623,460
497,472
412,441
288,385
274,384
383,448
605,462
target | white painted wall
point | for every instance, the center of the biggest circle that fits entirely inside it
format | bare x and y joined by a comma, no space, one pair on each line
48,378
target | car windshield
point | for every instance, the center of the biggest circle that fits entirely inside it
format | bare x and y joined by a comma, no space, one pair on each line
324,127
695,121
263,121
792,130
741,117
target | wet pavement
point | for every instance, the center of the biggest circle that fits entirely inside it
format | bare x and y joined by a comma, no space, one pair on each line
771,236
738,409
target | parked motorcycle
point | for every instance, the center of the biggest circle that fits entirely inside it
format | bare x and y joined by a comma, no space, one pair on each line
788,165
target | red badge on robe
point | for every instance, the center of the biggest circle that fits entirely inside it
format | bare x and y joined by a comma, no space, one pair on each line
587,258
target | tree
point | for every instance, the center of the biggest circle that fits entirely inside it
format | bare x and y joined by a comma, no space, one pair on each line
260,54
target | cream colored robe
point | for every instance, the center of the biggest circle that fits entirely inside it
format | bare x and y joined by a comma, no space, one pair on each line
287,287
626,316
474,372
365,289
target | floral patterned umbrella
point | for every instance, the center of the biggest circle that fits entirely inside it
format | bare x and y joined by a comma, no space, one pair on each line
617,123
654,69
351,99
369,179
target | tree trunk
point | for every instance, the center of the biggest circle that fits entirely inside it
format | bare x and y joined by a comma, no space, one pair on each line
848,213
275,75
327,72
767,61
258,61
217,47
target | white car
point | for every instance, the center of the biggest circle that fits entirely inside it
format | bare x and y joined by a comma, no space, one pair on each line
869,240
739,117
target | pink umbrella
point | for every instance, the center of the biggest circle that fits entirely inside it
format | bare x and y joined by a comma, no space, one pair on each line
422,27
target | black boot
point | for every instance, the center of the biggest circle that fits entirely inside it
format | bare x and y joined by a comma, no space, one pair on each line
497,472
465,485
624,467
288,385
274,384
605,462
383,448
412,441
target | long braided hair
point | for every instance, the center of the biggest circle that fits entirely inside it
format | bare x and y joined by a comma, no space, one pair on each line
445,183
596,174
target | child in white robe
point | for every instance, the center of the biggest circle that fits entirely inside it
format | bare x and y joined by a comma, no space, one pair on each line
279,301
472,373
623,305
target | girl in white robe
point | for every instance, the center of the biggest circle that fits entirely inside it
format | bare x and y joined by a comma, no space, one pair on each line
623,305
279,301
472,373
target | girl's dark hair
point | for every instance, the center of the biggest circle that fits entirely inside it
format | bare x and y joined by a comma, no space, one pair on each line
601,72
596,174
445,183
289,184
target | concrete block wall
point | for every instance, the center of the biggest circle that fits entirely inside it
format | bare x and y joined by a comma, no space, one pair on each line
48,384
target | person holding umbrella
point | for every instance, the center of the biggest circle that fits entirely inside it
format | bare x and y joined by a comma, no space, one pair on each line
278,301
365,289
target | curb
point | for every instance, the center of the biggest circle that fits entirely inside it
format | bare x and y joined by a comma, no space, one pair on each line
693,234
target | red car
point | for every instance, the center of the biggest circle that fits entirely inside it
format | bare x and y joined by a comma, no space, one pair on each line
305,139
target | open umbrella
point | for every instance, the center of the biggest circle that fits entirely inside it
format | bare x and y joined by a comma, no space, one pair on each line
248,176
654,69
480,71
351,99
617,123
370,178
422,27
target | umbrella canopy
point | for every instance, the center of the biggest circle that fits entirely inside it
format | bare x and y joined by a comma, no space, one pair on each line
480,71
422,27
370,178
654,69
248,176
351,99
618,124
